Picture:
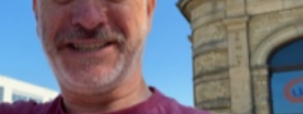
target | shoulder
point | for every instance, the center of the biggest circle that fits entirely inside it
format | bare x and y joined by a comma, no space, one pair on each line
17,107
166,105
174,107
23,107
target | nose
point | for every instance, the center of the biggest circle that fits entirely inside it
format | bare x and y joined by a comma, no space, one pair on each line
89,15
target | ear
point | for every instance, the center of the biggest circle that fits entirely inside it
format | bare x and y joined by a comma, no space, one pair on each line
151,7
35,8
151,4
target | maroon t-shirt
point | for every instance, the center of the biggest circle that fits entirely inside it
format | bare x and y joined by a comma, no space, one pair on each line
156,104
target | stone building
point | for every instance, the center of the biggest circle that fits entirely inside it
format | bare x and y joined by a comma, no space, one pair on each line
239,46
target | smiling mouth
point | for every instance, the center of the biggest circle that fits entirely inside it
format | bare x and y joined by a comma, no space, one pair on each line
88,47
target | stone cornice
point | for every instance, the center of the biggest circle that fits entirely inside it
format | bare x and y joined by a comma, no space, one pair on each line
185,6
181,5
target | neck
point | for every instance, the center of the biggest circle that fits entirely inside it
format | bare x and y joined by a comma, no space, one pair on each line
129,93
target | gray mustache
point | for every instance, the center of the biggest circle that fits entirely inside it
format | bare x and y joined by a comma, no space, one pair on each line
100,34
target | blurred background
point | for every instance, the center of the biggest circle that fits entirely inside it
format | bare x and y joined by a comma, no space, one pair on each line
226,56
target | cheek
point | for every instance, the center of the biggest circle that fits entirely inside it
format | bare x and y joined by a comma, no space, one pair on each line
51,21
130,20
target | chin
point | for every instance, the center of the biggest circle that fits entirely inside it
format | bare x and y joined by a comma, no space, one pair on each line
90,80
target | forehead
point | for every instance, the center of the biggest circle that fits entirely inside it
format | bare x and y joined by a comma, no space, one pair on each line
57,5
65,2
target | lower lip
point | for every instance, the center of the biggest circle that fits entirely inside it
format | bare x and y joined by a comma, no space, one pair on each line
83,54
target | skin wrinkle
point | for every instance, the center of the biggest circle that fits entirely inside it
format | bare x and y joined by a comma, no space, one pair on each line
117,76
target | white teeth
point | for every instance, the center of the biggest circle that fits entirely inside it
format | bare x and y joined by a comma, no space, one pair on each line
88,47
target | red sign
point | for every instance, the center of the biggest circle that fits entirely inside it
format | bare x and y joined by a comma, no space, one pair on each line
292,93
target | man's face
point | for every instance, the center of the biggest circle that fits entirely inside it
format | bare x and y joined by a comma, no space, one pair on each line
93,44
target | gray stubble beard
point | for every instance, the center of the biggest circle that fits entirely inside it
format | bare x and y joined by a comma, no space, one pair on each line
102,84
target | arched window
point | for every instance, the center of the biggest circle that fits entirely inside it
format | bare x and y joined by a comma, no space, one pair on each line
286,84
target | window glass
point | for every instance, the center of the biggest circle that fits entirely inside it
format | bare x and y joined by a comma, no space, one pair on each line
17,97
287,79
1,94
291,54
287,92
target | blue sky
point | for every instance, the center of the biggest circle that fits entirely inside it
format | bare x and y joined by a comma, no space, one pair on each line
167,58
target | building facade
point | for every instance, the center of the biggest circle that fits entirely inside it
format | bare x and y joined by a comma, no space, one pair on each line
248,55
12,90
